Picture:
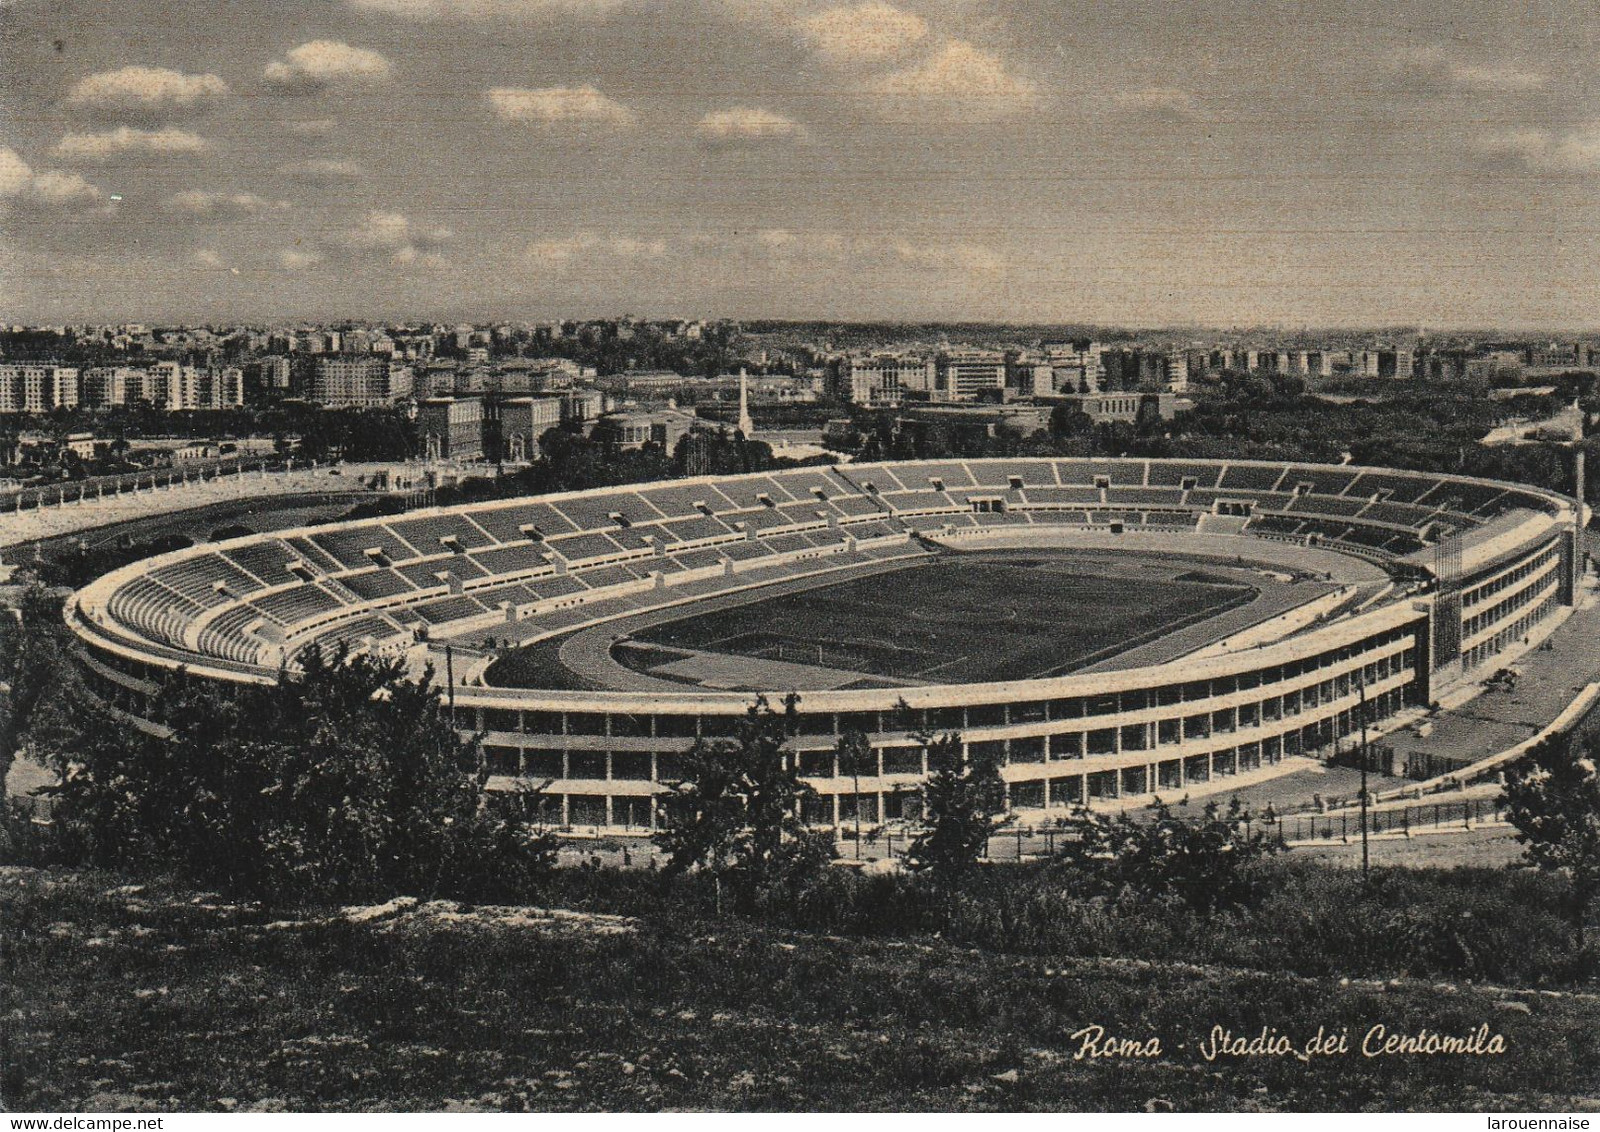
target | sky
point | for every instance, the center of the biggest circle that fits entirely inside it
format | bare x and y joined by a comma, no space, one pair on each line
1124,162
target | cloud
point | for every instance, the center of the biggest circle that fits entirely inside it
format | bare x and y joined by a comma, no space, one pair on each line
145,93
870,252
53,188
126,141
324,171
298,259
310,127
15,174
747,126
221,206
48,190
864,33
1160,100
326,64
960,82
391,234
972,260
1576,150
591,247
775,252
1437,67
558,104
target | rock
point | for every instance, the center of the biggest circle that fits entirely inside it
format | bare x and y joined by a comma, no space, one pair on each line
1009,1077
1158,1104
1514,1007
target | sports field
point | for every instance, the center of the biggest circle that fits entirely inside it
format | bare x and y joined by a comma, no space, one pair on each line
963,618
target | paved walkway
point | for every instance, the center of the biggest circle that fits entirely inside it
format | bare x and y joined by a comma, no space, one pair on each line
1549,676
54,521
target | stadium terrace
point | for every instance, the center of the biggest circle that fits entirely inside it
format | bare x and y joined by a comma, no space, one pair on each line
1142,626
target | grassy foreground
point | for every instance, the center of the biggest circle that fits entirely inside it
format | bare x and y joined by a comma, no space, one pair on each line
124,997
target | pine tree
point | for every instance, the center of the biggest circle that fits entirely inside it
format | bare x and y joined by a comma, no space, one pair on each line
963,794
736,812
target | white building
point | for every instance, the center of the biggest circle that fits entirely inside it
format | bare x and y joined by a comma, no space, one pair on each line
1076,367
960,375
365,382
879,380
37,388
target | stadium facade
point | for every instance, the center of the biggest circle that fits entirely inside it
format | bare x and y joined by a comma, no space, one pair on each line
1468,568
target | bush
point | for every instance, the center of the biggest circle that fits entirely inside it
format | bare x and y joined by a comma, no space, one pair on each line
341,781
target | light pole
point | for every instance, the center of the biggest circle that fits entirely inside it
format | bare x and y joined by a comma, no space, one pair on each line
1365,864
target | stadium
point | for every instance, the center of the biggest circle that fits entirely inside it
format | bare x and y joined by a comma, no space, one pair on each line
1110,629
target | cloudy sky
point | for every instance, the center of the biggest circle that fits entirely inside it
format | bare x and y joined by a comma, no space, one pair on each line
1148,162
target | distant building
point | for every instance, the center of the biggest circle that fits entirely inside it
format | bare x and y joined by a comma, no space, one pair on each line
451,428
271,372
582,404
37,388
105,386
522,421
1497,365
960,375
1029,374
364,382
1021,419
645,381
1155,370
1076,366
1129,406
634,430
878,380
1386,363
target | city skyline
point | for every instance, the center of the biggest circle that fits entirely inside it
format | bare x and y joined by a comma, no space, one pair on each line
504,159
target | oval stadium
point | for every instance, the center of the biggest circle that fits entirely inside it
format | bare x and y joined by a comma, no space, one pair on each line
1111,629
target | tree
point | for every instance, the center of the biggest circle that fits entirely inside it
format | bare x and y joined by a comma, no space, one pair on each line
342,780
856,757
963,794
33,666
1553,799
736,811
1166,857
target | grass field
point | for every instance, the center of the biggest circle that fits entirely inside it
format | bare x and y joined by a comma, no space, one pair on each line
150,998
963,618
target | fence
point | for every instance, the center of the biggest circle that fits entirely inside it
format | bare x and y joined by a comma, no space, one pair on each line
1422,817
97,487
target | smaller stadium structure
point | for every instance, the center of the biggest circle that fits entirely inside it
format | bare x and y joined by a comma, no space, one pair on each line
1108,628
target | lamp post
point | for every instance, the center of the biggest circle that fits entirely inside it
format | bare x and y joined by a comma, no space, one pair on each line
1365,863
